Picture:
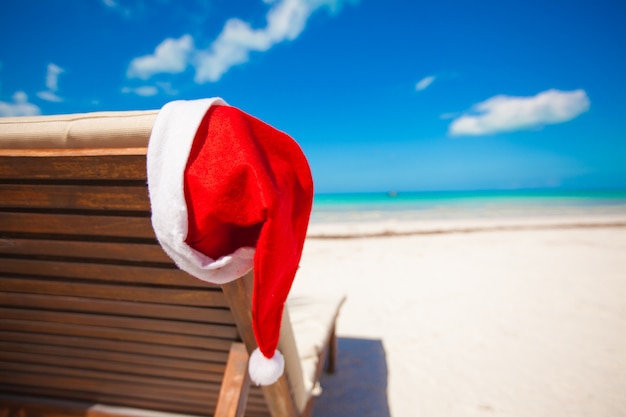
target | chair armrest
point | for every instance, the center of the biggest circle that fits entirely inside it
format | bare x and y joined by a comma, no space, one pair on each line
235,384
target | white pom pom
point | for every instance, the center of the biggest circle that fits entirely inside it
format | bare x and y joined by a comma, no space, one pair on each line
265,371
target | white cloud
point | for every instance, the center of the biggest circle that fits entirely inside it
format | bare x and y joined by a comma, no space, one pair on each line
286,19
167,88
19,107
52,82
446,116
144,91
52,77
151,90
505,113
49,96
115,6
171,56
424,83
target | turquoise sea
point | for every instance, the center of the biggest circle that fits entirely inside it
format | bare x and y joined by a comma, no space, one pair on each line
355,207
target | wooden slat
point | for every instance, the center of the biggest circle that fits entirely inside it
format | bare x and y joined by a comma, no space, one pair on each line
116,346
256,403
130,274
121,322
115,307
134,387
165,339
189,367
256,399
107,378
111,367
75,197
28,406
77,225
197,298
255,396
94,404
134,252
83,164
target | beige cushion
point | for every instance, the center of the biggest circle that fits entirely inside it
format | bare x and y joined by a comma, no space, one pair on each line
129,129
312,320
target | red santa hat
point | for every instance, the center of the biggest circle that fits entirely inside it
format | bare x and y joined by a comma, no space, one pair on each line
229,193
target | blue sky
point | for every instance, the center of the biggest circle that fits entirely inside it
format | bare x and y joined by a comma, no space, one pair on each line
381,95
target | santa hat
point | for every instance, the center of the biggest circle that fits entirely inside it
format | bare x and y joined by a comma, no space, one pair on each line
229,193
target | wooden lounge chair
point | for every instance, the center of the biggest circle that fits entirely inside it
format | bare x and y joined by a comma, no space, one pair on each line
95,320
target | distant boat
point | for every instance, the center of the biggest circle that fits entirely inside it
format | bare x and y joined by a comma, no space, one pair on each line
392,194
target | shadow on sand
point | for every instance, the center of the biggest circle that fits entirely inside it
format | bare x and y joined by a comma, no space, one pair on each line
359,387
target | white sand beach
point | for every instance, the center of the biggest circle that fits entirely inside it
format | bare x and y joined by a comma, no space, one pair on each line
504,317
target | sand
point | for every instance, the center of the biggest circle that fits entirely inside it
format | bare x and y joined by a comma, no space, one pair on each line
489,318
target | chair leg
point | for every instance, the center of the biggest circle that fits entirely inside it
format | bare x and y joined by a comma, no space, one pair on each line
235,385
331,365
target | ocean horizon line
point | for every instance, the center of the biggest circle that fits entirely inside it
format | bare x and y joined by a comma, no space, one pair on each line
379,197
486,191
423,205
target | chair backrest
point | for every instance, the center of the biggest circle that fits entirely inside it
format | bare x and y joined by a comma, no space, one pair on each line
91,309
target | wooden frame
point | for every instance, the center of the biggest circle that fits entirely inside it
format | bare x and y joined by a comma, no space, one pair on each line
92,312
